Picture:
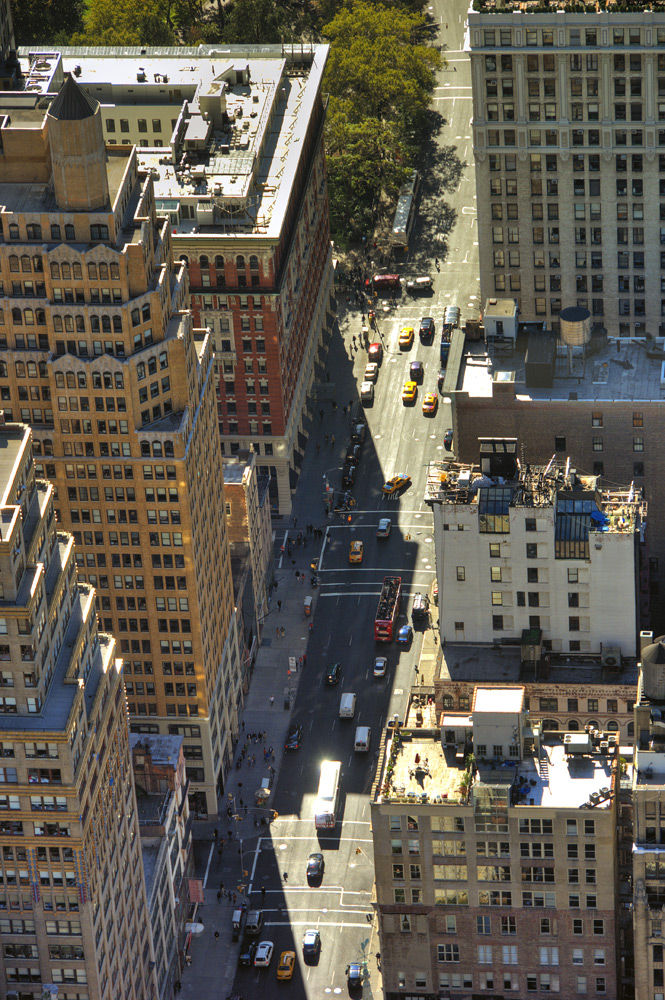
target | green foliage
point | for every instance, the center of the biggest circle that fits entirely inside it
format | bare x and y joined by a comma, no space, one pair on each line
46,21
128,22
379,78
256,22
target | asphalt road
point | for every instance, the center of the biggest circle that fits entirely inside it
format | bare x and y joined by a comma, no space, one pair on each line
400,440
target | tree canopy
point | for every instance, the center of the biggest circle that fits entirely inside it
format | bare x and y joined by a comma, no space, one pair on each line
127,22
46,20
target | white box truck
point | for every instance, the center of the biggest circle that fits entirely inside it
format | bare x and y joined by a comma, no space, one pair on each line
362,740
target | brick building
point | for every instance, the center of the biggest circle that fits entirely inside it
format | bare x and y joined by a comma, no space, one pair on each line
234,145
495,857
100,357
73,907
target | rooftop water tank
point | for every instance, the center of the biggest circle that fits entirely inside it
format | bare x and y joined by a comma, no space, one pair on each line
575,326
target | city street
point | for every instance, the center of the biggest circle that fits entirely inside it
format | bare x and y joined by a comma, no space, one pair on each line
400,439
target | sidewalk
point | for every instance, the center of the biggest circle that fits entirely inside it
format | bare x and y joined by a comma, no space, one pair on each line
214,961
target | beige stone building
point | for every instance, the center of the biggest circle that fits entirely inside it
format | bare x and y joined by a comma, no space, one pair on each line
73,910
569,149
495,856
100,357
233,140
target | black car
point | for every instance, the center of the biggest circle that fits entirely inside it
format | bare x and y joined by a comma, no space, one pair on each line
293,738
247,952
358,433
315,867
333,673
448,439
426,329
348,475
353,453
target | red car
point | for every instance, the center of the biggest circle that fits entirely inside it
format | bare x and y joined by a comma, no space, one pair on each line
375,352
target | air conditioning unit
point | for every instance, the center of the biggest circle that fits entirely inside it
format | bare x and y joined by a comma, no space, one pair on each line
610,656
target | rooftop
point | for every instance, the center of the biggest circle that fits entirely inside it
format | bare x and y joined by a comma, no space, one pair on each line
509,699
242,115
613,369
425,771
559,6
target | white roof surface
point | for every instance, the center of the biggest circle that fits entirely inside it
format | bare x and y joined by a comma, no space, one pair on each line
498,700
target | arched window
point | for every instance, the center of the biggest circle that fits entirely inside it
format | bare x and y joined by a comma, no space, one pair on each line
612,726
94,324
40,317
17,317
80,324
593,723
103,271
14,264
253,263
36,446
20,369
203,261
32,369
117,324
448,701
66,271
145,449
57,324
70,232
119,380
69,324
60,380
550,725
26,263
157,449
168,449
77,273
34,231
184,259
82,380
106,324
28,317
219,262
145,312
48,447
55,269
3,370
630,731
71,380
573,726
42,369
136,317
55,232
37,265
240,262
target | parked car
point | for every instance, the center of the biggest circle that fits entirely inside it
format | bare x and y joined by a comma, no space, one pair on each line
405,635
349,475
371,372
353,453
420,607
358,432
375,352
448,439
293,737
247,952
367,392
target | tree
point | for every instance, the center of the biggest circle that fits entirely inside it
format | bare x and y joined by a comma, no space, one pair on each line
46,20
254,22
128,22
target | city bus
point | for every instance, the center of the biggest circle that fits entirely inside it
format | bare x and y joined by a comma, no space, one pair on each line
405,213
327,797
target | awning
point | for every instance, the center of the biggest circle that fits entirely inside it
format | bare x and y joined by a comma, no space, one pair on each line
297,458
294,475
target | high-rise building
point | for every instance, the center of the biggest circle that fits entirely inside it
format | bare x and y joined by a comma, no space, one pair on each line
73,908
495,856
233,140
537,555
100,357
569,149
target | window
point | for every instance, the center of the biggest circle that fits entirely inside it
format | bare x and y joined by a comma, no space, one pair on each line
448,952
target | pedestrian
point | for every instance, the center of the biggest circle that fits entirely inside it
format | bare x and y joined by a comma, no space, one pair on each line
321,415
332,441
302,577
272,700
245,808
283,634
295,521
327,376
241,803
234,898
334,404
263,893
297,574
277,632
311,626
216,935
286,876
304,659
219,896
279,605
253,758
288,552
215,833
344,411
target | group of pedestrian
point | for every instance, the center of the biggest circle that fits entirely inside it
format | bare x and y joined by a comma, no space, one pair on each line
280,631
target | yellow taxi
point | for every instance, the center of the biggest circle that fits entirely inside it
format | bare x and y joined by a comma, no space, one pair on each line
406,336
395,484
409,392
287,961
356,552
430,402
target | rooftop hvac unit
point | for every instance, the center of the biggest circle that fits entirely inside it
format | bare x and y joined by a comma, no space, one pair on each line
610,657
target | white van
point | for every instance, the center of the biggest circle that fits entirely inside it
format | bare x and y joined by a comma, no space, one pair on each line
363,737
347,706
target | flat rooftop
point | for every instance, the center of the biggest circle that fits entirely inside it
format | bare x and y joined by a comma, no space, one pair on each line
497,699
425,771
623,369
234,154
502,664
